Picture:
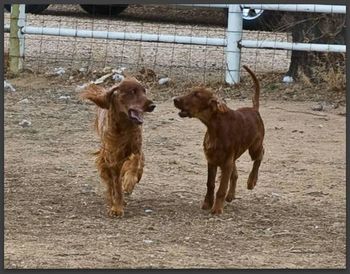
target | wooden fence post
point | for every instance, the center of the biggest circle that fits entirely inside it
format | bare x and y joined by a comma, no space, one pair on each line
16,50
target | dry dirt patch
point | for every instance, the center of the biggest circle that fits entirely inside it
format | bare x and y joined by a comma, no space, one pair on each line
55,215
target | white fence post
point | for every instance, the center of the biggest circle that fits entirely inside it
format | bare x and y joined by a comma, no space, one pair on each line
234,37
16,50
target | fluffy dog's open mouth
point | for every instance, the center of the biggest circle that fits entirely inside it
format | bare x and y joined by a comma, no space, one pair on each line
136,116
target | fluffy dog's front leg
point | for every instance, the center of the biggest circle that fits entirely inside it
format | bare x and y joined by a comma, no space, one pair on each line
131,172
117,207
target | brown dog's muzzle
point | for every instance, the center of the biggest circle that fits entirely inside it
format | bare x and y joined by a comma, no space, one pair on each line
150,106
179,104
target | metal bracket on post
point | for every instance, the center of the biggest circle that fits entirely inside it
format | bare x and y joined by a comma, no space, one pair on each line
16,49
233,51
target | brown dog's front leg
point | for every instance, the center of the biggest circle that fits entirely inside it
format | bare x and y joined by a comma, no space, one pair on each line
226,171
209,197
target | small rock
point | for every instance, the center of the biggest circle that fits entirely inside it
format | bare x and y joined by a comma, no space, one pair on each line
83,70
295,130
320,126
163,81
8,86
24,101
63,97
59,71
119,70
148,210
288,79
118,77
275,194
25,123
147,241
71,77
187,238
81,87
278,128
318,107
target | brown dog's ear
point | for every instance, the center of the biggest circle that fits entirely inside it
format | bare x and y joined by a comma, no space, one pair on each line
98,95
217,105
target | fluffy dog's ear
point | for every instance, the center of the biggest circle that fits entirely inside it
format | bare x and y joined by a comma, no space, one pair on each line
99,95
217,105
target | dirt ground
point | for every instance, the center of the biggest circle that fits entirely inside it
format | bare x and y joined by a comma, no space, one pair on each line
55,212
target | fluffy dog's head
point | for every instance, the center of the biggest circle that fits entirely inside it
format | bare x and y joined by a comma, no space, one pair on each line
128,99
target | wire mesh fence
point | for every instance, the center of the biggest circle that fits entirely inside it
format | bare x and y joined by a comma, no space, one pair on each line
45,53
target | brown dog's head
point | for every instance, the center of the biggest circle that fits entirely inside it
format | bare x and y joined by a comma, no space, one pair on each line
128,99
199,103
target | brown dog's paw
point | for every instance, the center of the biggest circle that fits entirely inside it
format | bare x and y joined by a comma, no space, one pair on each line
251,184
229,198
115,212
206,205
217,211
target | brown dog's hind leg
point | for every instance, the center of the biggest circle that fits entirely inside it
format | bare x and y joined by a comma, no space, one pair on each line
131,172
257,156
209,197
233,180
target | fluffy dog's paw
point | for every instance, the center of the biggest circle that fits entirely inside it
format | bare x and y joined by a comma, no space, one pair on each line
115,212
129,183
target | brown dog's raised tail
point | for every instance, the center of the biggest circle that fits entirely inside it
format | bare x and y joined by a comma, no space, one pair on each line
257,88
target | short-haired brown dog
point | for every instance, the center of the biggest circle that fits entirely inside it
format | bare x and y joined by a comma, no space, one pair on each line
229,134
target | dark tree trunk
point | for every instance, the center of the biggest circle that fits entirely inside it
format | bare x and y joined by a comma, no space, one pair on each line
321,29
